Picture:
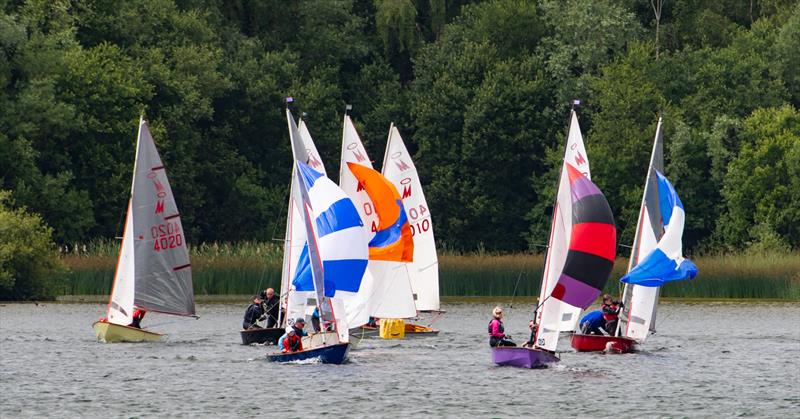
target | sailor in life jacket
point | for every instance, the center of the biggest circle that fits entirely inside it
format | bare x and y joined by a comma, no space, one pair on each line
497,336
291,342
611,310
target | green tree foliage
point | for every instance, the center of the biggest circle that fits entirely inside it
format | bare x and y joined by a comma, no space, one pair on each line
762,186
29,265
479,89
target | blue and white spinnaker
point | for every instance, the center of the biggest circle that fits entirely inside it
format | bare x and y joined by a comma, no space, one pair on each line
666,262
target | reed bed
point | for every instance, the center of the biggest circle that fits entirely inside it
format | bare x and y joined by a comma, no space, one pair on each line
245,268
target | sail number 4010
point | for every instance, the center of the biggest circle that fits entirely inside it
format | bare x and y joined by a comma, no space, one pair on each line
166,236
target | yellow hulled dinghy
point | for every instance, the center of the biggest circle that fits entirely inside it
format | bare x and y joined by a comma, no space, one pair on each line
153,270
113,333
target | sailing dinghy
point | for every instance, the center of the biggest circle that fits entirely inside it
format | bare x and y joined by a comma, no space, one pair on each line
386,290
304,150
331,264
656,258
580,257
153,270
423,270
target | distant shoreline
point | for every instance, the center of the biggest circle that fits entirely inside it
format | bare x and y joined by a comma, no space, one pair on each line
493,299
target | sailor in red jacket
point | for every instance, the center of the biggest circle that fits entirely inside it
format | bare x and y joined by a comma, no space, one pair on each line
611,310
138,315
291,341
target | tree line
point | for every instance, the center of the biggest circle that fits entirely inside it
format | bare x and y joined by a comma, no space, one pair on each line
479,89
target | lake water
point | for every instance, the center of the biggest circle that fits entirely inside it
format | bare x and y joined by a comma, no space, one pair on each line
708,360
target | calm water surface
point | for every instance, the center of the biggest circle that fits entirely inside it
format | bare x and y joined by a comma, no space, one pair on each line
708,360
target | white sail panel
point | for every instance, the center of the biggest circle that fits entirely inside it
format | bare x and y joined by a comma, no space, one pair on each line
162,267
556,316
424,270
373,286
120,307
313,158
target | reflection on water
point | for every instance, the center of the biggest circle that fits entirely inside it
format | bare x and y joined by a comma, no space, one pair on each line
706,360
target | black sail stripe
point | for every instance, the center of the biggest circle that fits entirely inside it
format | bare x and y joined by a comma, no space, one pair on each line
592,209
590,269
177,268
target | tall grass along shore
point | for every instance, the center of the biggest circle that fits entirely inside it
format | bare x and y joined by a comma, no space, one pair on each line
243,268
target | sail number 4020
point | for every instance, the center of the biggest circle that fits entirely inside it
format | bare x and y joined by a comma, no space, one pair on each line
166,236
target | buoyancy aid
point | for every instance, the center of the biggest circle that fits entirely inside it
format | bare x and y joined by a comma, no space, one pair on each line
500,327
610,311
293,343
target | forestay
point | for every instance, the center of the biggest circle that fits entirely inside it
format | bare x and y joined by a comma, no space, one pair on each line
386,289
153,271
557,316
399,169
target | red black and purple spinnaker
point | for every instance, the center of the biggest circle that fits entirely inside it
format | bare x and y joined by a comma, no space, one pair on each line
592,245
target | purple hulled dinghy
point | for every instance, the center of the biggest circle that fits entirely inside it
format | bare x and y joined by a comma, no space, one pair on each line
522,357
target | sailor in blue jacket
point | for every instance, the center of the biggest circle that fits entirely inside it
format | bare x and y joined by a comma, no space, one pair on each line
592,323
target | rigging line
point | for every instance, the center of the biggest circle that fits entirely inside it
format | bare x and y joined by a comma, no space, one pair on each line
514,293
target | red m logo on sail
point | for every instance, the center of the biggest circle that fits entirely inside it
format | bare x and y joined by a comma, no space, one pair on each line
406,191
160,206
403,166
313,161
579,160
360,157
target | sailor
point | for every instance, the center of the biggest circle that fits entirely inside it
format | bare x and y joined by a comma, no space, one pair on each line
253,315
271,306
592,323
298,326
611,310
534,327
138,315
497,336
315,323
290,341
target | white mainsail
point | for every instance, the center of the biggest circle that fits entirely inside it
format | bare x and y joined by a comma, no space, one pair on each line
424,270
640,302
153,272
555,316
386,289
